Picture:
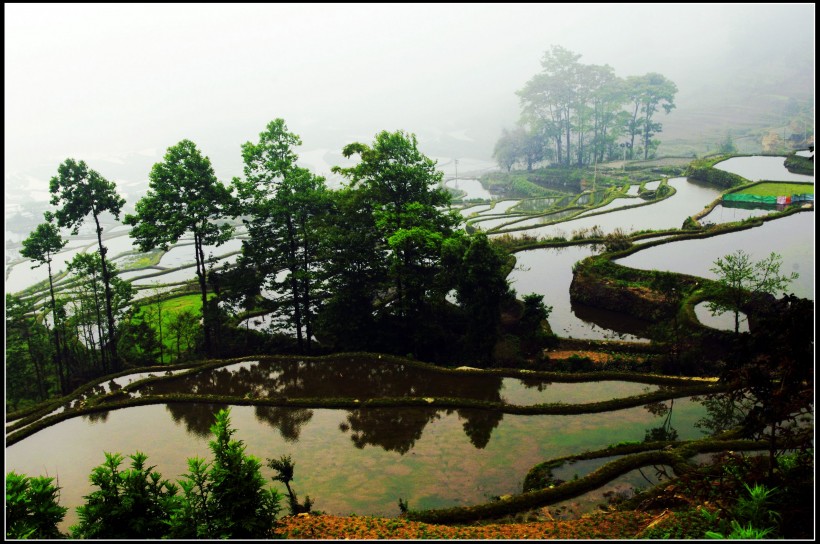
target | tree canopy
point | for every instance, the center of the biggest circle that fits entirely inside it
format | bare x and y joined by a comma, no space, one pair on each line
575,113
184,196
82,191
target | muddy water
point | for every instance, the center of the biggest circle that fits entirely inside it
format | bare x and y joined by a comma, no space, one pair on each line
348,461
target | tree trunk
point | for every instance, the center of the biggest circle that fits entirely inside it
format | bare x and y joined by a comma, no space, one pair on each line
100,335
293,266
112,340
306,283
57,356
200,273
159,325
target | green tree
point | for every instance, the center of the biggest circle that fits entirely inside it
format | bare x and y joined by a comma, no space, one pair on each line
27,350
771,376
531,325
184,196
570,101
40,246
354,273
606,99
739,280
548,99
505,151
32,507
87,290
131,503
226,499
519,145
648,93
83,191
284,206
284,467
481,288
183,329
727,145
139,343
152,313
411,213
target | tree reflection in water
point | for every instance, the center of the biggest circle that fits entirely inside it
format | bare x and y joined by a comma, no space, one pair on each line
664,431
394,429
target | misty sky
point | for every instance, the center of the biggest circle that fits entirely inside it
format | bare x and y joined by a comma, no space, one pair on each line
117,84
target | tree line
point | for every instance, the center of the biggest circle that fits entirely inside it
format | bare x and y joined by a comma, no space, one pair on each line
583,114
379,265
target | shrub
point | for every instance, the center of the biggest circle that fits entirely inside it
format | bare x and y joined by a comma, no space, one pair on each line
135,503
32,509
741,533
617,240
284,467
225,499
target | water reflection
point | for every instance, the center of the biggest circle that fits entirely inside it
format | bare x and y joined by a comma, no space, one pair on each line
690,197
548,272
759,168
353,377
611,323
390,458
792,237
395,429
728,212
471,187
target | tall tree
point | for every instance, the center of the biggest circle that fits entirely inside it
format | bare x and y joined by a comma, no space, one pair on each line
40,246
284,205
648,93
550,97
505,151
480,289
410,212
83,191
184,196
354,270
606,100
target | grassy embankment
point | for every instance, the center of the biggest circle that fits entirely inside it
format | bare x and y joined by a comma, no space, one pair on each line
169,308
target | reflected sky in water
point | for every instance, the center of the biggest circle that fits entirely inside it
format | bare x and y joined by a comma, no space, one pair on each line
349,461
792,237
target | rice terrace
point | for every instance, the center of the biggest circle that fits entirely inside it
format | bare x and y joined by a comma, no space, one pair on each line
599,325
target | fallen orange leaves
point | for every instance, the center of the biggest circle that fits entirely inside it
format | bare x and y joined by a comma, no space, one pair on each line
612,525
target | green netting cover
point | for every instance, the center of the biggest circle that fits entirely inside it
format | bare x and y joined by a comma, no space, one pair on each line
739,197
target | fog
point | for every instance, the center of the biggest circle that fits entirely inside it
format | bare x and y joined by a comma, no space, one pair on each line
117,84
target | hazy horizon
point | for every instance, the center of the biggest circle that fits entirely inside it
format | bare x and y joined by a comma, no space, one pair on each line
117,84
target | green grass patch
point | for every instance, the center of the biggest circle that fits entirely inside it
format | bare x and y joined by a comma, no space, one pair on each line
778,189
135,261
169,308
